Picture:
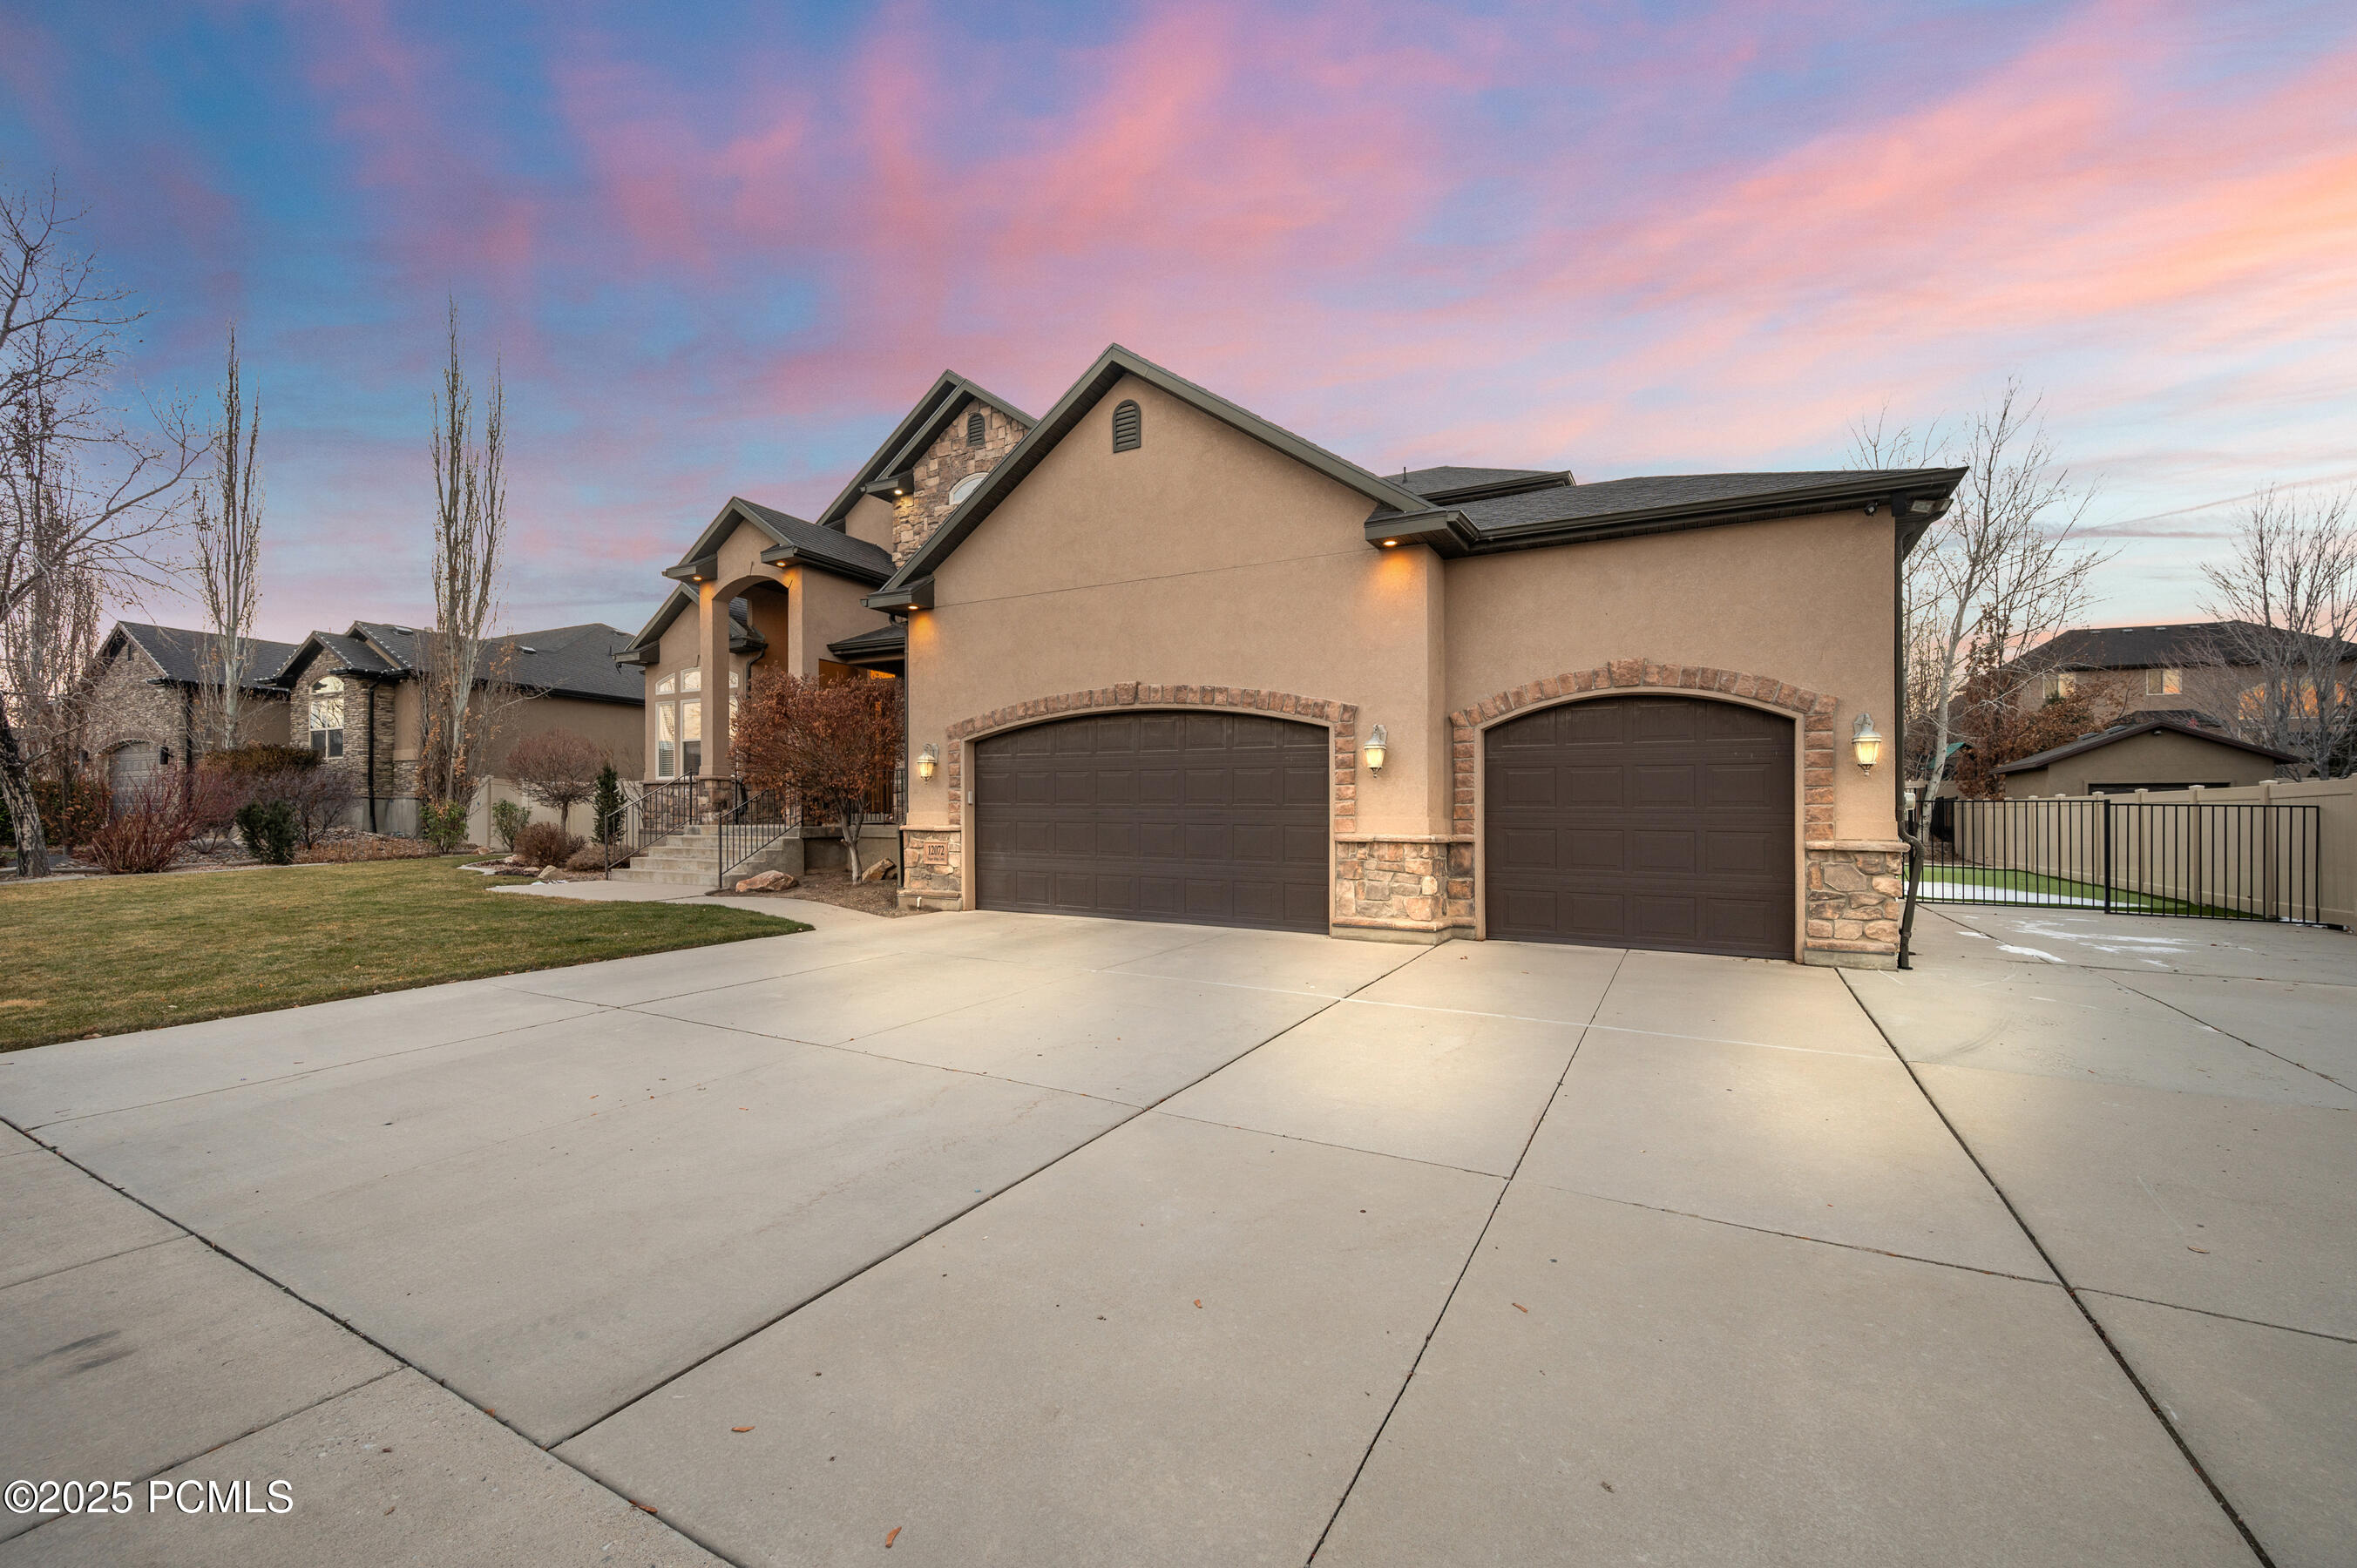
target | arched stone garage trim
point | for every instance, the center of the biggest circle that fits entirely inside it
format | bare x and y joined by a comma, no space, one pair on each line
934,858
1852,891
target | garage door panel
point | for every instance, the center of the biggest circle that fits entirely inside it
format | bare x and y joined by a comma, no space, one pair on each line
1214,818
1651,822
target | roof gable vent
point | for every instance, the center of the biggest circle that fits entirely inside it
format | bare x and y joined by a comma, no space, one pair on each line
1127,431
973,428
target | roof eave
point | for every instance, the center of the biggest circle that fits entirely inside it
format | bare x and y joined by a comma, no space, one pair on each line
1930,492
793,555
1442,530
917,593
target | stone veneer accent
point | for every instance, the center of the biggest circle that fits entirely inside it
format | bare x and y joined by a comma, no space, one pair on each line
1856,893
935,855
1406,883
943,463
1851,908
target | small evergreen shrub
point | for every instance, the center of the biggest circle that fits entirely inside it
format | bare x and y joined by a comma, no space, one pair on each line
508,818
444,826
268,829
607,806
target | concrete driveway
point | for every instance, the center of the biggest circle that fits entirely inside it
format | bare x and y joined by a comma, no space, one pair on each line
989,1238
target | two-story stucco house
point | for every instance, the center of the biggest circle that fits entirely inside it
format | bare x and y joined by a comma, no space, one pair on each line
1167,661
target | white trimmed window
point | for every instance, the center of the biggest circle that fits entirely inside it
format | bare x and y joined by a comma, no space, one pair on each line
328,716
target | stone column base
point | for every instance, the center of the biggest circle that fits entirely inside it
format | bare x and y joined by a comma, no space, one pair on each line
1857,892
1402,886
930,868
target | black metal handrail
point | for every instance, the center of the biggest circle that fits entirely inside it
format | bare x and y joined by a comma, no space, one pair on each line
2219,859
655,812
755,823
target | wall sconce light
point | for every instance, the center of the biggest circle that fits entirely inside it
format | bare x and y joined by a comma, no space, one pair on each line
927,760
1865,742
1376,747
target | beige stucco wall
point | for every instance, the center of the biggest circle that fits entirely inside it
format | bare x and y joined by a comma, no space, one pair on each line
618,728
1204,558
871,519
676,651
1805,601
2162,758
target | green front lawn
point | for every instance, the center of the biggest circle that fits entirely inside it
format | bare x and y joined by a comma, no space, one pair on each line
1953,884
131,952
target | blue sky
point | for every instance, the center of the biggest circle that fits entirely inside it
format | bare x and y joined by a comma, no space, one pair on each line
718,249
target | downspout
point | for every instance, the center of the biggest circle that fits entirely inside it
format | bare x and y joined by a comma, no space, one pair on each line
371,755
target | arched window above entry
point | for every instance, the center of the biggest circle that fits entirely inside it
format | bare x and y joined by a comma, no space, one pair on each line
1127,431
973,428
328,716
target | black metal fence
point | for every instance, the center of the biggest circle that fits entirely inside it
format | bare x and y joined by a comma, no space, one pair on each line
755,823
2224,860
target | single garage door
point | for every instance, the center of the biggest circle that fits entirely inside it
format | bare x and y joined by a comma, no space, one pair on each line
1211,819
1642,822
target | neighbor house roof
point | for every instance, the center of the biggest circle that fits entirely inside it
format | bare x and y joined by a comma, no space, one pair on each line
2182,645
1458,510
791,541
2129,732
942,402
561,661
185,656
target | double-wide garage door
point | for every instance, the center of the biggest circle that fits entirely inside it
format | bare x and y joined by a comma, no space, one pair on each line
1208,819
1642,822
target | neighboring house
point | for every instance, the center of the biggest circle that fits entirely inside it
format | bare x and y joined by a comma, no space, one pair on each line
146,695
1167,661
2149,752
355,698
2190,673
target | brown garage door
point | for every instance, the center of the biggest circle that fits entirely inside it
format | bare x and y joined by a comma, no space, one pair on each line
1644,822
1211,819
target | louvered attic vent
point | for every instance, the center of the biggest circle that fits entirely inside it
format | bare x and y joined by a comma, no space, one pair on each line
1126,433
973,428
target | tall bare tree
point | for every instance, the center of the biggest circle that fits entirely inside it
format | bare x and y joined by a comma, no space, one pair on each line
229,557
88,498
2000,572
469,543
2285,600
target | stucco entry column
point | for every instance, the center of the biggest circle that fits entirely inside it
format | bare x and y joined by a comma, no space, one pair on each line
712,651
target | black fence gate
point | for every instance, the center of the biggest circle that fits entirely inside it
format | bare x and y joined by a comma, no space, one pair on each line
2226,860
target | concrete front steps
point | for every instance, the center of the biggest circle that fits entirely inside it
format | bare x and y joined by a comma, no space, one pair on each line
691,858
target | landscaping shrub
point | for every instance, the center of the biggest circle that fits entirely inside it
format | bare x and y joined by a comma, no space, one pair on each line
558,768
147,833
606,806
546,844
261,761
268,829
444,826
508,818
71,808
588,857
316,795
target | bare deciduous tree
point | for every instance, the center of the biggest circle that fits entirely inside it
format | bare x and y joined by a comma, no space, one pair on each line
558,768
1999,572
229,559
470,537
87,499
827,745
2286,600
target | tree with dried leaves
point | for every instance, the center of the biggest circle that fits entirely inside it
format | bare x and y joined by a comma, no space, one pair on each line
2000,572
2286,601
229,560
828,745
89,495
557,769
469,546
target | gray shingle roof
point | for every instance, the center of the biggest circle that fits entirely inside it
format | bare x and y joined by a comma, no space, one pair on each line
2179,646
181,654
1433,483
565,660
824,546
891,638
2129,731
